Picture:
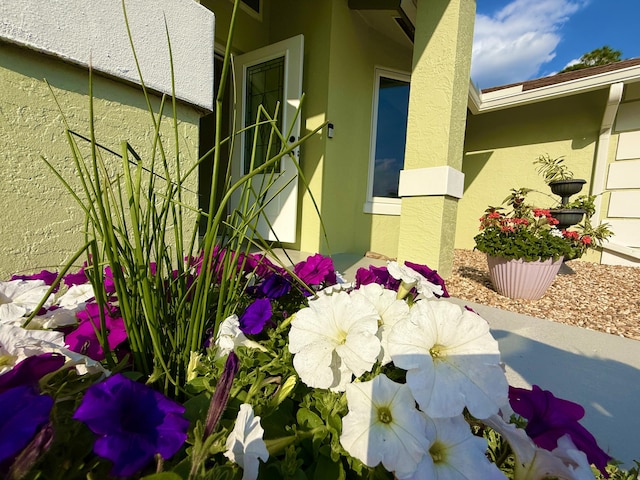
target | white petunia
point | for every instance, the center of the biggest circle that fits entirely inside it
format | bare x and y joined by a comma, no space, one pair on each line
455,454
76,295
534,463
20,297
575,459
390,309
333,339
452,361
383,425
230,336
245,445
411,278
59,317
16,344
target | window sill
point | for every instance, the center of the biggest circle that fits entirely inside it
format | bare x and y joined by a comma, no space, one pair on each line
383,208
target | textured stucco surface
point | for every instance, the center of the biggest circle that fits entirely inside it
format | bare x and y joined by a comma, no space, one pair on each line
436,126
341,54
92,32
500,148
40,225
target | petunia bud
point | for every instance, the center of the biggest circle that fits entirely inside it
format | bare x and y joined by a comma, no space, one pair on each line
221,395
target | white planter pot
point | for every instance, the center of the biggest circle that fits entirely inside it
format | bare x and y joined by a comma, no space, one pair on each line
522,279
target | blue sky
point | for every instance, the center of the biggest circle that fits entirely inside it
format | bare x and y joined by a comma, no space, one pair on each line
517,40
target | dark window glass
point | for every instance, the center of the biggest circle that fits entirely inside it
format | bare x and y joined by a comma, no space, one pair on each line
253,5
391,134
265,86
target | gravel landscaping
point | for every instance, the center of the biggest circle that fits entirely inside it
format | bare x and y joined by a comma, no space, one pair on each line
605,298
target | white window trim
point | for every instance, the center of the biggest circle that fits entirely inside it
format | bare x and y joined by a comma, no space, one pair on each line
380,205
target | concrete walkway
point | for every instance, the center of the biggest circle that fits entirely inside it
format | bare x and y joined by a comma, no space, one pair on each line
597,370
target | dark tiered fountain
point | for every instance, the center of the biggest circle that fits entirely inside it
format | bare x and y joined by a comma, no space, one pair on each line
567,216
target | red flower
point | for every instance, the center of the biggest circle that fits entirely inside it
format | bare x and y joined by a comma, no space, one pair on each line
570,234
586,240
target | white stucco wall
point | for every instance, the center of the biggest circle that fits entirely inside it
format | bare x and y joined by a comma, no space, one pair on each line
93,32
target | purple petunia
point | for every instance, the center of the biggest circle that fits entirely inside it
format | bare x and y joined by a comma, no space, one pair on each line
132,422
256,316
316,270
549,418
30,370
22,411
84,339
220,397
274,286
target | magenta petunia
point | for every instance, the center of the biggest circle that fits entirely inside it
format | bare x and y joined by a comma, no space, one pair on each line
77,278
430,274
316,270
45,275
549,418
84,339
132,423
379,275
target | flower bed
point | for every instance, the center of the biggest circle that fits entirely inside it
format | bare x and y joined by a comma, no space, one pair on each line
383,377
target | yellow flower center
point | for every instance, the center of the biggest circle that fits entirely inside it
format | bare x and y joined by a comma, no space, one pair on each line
437,352
384,415
438,452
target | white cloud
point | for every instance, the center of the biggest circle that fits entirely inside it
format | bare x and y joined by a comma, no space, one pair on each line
512,44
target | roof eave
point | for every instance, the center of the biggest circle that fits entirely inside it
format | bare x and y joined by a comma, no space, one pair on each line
498,99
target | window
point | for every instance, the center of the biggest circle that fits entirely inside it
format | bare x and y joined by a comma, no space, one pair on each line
388,138
265,87
253,5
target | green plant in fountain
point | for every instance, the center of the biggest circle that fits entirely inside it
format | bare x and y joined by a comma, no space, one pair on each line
553,169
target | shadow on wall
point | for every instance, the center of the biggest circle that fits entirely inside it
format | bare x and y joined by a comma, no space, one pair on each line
606,388
472,164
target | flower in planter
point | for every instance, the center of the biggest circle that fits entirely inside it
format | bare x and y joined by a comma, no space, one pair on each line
133,423
452,361
22,411
455,453
333,339
20,297
549,418
524,232
245,445
383,426
84,339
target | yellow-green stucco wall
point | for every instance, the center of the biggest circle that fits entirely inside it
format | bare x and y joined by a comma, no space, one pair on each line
340,57
41,225
501,146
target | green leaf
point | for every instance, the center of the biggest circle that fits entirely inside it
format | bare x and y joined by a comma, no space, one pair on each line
163,476
327,468
308,419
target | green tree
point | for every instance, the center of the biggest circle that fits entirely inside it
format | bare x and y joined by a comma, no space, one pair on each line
599,56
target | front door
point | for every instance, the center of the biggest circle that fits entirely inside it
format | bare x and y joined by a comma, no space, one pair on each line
270,76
